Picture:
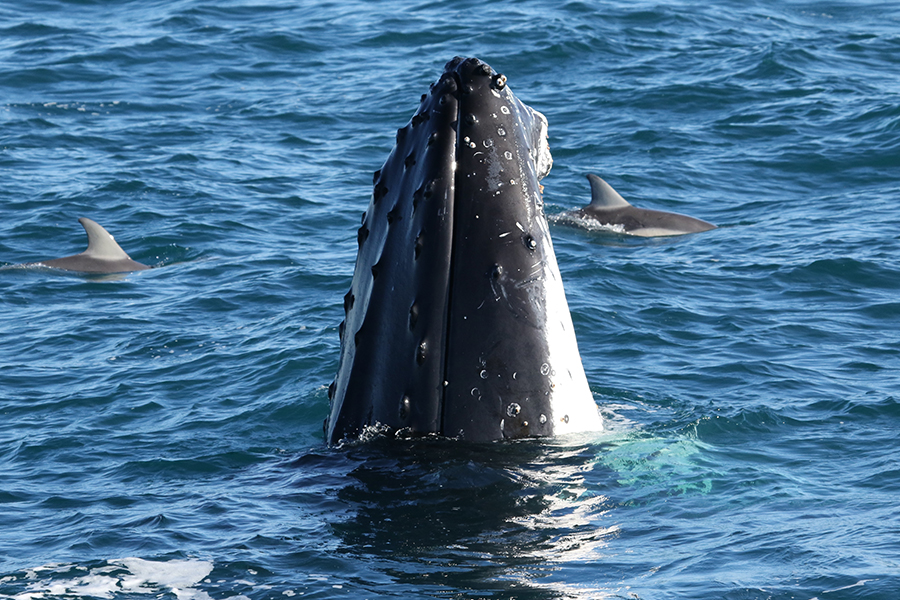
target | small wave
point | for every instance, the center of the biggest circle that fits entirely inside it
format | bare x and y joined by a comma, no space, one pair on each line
862,274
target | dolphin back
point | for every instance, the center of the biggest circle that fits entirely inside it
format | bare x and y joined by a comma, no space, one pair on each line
103,254
609,208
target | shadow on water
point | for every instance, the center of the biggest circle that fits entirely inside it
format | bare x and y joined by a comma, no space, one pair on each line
469,520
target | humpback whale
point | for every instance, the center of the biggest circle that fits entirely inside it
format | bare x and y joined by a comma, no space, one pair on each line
456,321
103,254
608,208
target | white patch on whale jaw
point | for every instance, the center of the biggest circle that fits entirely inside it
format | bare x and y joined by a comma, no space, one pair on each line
572,405
571,401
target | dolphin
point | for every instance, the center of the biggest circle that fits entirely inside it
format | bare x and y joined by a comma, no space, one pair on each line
609,208
103,254
456,321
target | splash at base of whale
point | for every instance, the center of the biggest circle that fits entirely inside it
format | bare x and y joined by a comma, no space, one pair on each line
611,211
456,320
103,254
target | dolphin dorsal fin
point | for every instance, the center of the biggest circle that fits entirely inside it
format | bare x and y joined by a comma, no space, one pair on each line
603,195
101,244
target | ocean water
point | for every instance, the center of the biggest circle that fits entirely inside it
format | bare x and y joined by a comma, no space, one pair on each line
161,431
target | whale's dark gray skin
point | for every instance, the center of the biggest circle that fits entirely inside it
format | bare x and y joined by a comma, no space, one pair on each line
103,254
610,209
456,319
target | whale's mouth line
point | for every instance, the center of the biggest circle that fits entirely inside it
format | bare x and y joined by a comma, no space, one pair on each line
451,280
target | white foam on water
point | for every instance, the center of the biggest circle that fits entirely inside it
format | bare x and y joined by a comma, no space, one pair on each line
132,575
572,218
177,575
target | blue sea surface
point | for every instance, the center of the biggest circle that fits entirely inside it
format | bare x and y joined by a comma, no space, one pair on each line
161,431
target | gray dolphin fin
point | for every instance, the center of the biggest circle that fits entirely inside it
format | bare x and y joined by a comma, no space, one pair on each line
603,195
101,244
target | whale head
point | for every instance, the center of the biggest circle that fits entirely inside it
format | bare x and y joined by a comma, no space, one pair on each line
456,321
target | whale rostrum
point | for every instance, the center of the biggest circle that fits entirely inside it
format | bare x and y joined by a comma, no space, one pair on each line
456,321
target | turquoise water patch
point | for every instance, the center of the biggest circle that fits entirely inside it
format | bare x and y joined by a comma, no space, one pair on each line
659,466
